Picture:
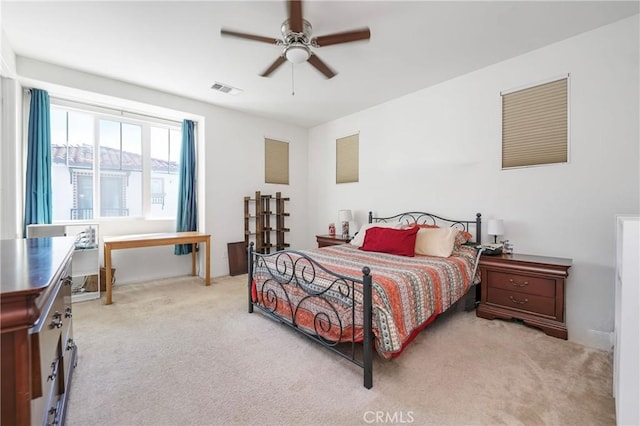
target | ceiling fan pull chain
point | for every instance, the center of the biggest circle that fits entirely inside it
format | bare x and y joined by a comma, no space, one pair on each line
293,87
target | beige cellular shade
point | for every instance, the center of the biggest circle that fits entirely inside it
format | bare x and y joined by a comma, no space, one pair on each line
347,165
534,125
276,161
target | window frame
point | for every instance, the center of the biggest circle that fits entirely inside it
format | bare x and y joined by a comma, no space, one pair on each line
146,122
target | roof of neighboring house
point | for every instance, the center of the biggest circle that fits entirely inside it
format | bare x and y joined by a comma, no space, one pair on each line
81,156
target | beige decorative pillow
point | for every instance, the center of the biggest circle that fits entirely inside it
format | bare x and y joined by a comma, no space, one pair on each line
436,241
358,240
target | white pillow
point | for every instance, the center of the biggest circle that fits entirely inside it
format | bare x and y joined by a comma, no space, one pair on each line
358,240
436,241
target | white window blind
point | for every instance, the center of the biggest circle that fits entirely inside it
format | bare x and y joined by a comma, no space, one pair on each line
276,161
535,125
347,153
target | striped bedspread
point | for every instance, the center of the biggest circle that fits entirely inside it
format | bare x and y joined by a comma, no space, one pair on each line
407,292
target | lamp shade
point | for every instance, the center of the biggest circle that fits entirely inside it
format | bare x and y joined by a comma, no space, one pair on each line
495,227
345,215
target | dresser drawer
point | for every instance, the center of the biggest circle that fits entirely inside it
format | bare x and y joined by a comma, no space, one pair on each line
46,336
53,412
522,301
67,313
522,283
45,406
69,360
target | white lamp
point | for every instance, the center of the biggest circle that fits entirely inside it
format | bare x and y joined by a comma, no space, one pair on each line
345,217
297,53
495,227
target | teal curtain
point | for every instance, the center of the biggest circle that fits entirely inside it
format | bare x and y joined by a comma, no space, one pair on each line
38,207
187,218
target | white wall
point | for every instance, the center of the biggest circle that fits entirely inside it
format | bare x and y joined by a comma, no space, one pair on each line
7,56
10,153
439,150
230,166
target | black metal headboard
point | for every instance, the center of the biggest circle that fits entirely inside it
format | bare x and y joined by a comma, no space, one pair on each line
432,219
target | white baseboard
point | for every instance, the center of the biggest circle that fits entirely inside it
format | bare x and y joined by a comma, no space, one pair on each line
601,339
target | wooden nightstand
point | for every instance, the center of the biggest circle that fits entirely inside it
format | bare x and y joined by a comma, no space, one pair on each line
331,240
525,287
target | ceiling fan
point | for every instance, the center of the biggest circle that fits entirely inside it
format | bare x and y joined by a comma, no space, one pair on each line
297,41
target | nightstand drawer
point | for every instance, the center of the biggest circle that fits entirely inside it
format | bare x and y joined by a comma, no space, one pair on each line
518,300
522,283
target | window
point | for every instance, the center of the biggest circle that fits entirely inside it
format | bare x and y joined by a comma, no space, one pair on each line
120,168
157,191
134,175
83,196
165,157
535,125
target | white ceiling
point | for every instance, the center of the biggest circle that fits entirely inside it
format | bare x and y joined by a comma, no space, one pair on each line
176,47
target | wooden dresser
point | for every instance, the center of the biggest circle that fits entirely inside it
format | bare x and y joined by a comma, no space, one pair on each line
38,352
525,287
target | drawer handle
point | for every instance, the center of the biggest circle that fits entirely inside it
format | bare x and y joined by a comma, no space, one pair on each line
70,344
57,320
54,372
53,416
517,284
520,302
67,313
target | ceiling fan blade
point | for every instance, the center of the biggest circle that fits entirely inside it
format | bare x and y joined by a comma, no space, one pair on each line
274,66
321,66
346,37
237,34
295,16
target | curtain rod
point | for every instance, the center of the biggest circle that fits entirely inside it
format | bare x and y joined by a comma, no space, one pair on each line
112,110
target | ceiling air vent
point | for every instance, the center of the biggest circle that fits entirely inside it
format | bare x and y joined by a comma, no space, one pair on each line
225,88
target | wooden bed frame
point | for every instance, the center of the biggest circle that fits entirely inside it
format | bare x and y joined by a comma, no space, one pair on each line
305,270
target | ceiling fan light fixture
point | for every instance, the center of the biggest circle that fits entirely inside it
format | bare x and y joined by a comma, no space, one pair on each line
297,53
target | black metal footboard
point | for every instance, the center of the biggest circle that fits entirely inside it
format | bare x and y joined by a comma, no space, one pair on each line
327,307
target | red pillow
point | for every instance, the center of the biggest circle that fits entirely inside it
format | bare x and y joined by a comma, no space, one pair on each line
389,240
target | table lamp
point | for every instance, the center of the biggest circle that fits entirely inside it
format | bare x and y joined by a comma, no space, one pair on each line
495,227
345,217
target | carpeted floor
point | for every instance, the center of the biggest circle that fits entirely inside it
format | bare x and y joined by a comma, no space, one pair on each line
175,352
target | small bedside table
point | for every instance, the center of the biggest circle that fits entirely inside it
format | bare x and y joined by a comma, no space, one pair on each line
331,240
525,287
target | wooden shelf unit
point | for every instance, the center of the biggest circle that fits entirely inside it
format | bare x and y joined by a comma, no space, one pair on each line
259,212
